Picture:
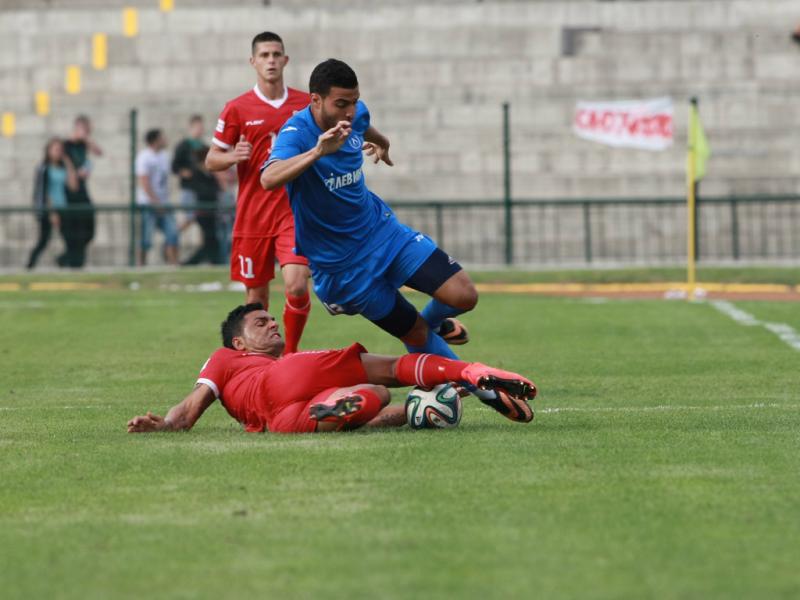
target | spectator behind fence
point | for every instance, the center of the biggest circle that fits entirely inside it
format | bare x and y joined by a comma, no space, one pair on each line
77,224
227,211
207,189
185,166
152,196
55,175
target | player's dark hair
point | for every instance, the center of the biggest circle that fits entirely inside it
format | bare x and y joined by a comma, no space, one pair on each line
151,136
331,73
195,118
83,120
232,326
265,36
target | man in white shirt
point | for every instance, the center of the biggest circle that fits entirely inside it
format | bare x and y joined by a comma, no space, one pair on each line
152,196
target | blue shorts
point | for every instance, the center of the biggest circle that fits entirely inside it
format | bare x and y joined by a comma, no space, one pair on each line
164,221
369,287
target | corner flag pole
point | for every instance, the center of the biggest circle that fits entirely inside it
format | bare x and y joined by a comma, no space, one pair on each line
690,204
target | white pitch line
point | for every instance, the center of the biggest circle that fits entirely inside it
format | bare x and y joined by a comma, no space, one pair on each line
786,333
87,406
545,411
665,408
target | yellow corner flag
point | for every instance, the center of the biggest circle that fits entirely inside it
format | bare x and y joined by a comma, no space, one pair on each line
696,157
699,150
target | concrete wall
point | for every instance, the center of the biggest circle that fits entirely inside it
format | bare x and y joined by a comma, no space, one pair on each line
434,75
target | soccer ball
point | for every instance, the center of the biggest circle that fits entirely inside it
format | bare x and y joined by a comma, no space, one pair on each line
433,408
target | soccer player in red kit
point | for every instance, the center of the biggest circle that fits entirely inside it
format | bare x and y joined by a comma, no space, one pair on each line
328,390
264,225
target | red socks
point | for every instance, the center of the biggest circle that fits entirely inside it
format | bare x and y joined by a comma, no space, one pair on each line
295,315
427,370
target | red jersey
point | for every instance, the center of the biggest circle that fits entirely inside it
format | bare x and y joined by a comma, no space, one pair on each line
255,387
259,213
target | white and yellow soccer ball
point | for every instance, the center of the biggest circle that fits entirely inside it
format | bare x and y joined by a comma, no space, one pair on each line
438,407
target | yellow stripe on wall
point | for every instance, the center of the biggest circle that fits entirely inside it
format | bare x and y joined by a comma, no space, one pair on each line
42,101
72,79
130,22
167,5
9,124
99,51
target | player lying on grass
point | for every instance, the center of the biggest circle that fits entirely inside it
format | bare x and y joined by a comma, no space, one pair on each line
360,254
327,390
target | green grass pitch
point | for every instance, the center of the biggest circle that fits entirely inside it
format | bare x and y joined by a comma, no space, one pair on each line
664,462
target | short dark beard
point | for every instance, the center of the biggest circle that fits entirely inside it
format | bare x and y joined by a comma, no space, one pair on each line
327,121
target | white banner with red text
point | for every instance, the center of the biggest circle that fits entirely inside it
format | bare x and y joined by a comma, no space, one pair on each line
643,124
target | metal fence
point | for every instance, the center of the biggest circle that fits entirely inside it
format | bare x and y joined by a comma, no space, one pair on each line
638,231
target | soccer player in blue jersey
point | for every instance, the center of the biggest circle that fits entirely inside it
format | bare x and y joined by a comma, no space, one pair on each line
360,254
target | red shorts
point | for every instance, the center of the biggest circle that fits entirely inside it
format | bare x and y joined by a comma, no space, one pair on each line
304,378
253,258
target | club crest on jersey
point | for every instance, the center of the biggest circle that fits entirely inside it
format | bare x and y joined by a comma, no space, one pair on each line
355,141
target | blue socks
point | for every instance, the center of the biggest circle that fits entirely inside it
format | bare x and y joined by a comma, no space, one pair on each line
435,312
434,345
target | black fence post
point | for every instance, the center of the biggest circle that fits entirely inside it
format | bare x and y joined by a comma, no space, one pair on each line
696,220
132,188
439,225
509,249
734,229
587,232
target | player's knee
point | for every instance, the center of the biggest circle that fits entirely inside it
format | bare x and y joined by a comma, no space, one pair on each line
296,287
383,394
471,297
467,297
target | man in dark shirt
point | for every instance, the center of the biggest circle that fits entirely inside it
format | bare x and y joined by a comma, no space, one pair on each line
184,164
77,224
206,188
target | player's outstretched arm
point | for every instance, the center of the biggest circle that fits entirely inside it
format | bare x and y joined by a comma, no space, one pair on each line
281,172
180,417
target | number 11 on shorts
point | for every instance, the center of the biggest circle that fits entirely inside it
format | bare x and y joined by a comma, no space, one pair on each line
246,267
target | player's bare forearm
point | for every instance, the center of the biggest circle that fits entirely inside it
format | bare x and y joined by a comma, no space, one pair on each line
376,146
180,417
390,416
281,172
218,159
376,137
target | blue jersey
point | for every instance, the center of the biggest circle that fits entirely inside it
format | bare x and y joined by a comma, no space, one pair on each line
338,221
